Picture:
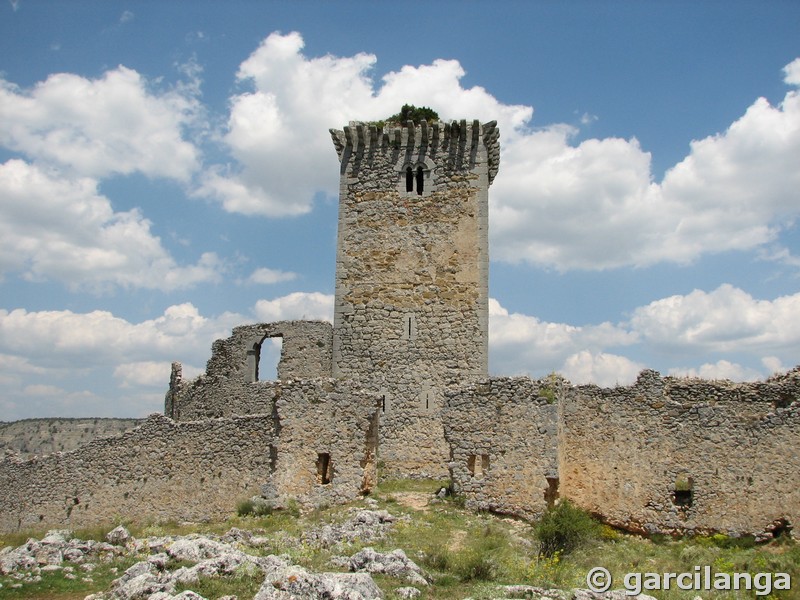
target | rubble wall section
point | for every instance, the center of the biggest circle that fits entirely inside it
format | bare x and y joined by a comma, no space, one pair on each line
231,384
503,439
325,451
162,470
685,456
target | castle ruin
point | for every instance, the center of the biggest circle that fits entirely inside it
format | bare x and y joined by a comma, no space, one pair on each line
399,386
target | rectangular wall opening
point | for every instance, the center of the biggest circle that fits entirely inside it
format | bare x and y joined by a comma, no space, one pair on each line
269,355
683,494
324,468
478,464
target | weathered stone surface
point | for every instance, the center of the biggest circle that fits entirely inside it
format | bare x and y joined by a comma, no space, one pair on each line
685,456
365,526
295,583
411,311
394,564
503,436
160,470
118,536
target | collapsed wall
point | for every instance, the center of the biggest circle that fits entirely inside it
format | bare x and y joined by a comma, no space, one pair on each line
317,444
226,388
685,456
161,470
502,434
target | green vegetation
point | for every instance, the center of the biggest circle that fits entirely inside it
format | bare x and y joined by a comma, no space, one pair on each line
466,554
565,528
409,112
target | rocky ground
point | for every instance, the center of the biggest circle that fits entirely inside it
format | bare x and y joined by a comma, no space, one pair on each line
167,567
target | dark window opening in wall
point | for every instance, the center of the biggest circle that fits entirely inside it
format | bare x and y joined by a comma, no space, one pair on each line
683,494
409,180
682,498
269,355
551,493
324,468
783,401
383,403
478,464
420,180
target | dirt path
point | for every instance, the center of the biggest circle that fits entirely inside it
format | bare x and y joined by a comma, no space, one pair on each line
415,500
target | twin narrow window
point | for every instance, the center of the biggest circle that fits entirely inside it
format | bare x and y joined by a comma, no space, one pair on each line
417,177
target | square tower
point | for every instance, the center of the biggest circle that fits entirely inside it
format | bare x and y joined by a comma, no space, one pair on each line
411,312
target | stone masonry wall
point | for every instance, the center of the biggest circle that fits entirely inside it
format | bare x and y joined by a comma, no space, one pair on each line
231,385
162,470
326,443
196,470
672,456
503,435
411,312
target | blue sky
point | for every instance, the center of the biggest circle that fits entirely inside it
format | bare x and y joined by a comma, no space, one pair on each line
166,173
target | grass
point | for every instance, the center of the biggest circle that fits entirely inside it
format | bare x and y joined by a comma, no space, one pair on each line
466,554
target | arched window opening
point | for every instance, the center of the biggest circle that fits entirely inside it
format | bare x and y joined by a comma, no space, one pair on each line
420,180
409,180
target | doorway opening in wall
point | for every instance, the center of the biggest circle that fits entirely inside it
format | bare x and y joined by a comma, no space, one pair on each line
269,356
324,470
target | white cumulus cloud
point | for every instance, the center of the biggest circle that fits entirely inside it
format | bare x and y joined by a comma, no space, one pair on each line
600,368
58,228
557,204
266,276
522,344
727,319
298,305
722,369
99,127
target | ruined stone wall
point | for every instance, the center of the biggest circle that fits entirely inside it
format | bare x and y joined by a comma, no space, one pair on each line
196,470
162,470
411,312
503,439
326,443
35,437
670,455
231,383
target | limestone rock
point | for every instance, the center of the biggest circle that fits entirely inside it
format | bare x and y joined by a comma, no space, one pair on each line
119,536
394,564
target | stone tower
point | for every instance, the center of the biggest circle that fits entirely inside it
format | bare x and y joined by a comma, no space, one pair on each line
411,313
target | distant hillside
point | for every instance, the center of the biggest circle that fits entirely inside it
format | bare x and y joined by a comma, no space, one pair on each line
31,437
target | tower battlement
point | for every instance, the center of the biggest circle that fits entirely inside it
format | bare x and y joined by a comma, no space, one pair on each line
456,139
